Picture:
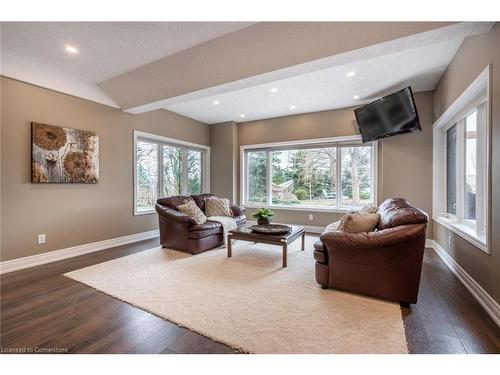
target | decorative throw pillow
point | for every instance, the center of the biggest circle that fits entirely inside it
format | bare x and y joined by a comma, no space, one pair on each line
358,223
218,207
190,208
368,209
331,227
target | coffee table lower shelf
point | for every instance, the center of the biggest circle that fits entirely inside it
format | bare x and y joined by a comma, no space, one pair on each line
244,233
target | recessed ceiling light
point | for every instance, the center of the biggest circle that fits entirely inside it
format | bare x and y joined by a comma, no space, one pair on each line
356,97
242,116
216,102
292,107
71,49
274,90
351,74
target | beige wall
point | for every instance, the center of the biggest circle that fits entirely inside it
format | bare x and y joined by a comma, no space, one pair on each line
405,162
224,160
76,214
473,56
258,49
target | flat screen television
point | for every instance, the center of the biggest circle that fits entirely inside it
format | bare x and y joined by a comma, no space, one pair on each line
391,115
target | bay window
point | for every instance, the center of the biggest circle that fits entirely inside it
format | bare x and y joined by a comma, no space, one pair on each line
165,167
333,174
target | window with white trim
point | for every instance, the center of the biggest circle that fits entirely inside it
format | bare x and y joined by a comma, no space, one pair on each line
331,175
165,167
466,168
462,164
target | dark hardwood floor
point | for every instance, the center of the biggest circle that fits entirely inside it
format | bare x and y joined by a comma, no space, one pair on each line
43,310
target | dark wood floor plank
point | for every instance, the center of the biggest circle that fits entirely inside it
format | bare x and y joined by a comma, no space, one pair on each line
105,318
432,332
159,341
38,330
40,307
33,305
471,323
191,342
127,336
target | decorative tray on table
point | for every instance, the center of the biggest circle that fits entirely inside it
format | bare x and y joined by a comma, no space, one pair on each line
271,228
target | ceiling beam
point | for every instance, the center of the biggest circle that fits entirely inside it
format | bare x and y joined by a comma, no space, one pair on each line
258,49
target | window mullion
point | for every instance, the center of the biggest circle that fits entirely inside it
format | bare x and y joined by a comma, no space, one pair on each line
269,179
443,202
202,173
184,171
460,169
481,167
159,177
244,197
338,160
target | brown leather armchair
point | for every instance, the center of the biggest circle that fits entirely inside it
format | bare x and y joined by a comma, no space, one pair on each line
179,231
385,264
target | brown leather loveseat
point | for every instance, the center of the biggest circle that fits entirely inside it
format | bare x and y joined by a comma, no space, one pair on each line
179,231
385,263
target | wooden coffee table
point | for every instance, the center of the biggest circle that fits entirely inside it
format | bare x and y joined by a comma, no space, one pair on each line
246,234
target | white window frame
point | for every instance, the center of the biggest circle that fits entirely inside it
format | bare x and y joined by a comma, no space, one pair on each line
354,140
160,140
476,96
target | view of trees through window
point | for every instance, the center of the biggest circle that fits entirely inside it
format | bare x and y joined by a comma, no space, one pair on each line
179,166
309,176
194,172
147,174
171,171
257,176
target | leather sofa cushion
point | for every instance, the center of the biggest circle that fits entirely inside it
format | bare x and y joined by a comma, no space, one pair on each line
397,211
204,233
174,201
211,227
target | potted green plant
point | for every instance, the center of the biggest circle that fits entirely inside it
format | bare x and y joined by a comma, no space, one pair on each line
263,216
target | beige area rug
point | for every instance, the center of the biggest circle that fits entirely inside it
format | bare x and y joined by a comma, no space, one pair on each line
249,302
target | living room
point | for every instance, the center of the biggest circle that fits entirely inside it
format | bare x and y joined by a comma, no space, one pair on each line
216,187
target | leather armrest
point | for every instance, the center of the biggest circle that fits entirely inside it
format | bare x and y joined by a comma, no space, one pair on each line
174,215
237,210
339,240
209,225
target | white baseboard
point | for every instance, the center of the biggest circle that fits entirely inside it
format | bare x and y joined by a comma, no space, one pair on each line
53,256
308,228
484,299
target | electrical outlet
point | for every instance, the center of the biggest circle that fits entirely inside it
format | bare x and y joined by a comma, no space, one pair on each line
449,241
41,238
311,217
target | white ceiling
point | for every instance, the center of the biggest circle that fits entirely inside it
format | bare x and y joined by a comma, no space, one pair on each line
327,89
417,61
34,51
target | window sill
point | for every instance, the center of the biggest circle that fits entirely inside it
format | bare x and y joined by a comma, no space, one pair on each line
341,210
144,212
464,231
